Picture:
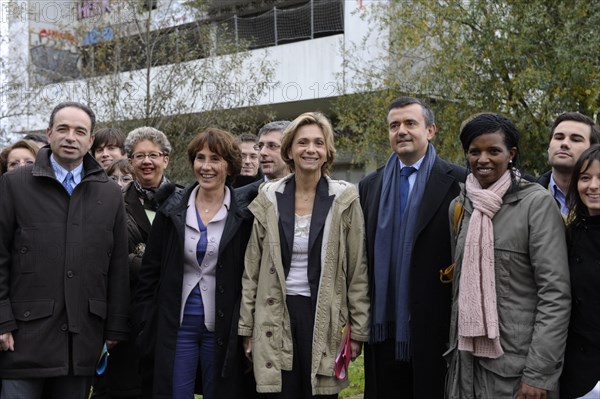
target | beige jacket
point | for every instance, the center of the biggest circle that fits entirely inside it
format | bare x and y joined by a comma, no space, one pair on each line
342,296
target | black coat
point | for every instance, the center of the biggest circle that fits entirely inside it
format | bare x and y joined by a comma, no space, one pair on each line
158,297
544,179
122,376
63,270
581,371
430,299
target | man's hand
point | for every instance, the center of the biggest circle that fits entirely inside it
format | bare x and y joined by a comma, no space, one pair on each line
111,344
529,392
7,342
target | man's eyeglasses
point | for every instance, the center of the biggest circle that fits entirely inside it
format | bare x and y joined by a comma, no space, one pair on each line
140,156
270,146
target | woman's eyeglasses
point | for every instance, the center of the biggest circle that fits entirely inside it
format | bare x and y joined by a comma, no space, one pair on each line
140,156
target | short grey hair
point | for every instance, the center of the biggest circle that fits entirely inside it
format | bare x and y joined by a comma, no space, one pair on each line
275,126
147,133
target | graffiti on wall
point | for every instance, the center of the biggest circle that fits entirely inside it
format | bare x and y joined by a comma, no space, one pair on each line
98,36
93,8
53,54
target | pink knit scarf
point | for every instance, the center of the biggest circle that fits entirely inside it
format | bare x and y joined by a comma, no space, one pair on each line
478,328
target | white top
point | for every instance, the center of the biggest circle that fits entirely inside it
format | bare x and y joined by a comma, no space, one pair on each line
296,282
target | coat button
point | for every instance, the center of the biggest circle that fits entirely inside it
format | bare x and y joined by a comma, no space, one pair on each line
269,334
272,270
219,342
221,289
578,259
70,273
220,265
23,250
109,253
64,327
270,301
220,313
269,365
27,313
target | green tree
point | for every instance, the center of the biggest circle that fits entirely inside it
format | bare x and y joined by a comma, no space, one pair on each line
529,60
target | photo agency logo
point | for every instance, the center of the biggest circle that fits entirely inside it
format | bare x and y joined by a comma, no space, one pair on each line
64,12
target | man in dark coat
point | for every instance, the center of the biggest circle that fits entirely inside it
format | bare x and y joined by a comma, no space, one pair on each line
250,161
272,165
64,282
572,133
410,309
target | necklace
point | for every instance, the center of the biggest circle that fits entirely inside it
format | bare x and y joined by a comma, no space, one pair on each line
210,207
207,209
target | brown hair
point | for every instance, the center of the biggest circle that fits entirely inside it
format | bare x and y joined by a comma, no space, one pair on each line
108,136
577,208
121,165
25,144
222,143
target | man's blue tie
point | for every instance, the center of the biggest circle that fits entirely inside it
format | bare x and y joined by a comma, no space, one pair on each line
68,183
405,186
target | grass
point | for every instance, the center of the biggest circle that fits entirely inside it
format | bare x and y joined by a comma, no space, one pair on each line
356,375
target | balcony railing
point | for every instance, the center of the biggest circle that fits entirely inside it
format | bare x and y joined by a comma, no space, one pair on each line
314,19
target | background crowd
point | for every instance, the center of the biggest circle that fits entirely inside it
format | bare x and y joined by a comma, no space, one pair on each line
461,282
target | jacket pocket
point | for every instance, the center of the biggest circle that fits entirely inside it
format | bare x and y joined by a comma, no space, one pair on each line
98,307
33,310
508,365
505,377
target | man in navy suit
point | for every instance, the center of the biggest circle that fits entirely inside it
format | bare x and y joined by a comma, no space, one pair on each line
406,207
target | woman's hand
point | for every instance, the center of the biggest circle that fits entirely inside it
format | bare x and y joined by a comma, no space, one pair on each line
529,392
248,347
355,348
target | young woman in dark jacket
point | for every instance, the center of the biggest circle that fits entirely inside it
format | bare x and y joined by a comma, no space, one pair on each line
581,372
188,295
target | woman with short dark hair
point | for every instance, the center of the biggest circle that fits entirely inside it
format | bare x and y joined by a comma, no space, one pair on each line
511,295
187,300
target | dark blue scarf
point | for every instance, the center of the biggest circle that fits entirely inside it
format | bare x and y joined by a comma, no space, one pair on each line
394,239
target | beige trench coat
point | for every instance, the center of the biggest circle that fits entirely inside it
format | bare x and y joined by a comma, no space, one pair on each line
342,296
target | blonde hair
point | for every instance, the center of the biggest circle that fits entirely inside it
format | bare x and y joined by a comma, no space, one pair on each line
309,118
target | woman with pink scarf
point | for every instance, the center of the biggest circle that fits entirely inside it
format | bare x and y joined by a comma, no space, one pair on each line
511,295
